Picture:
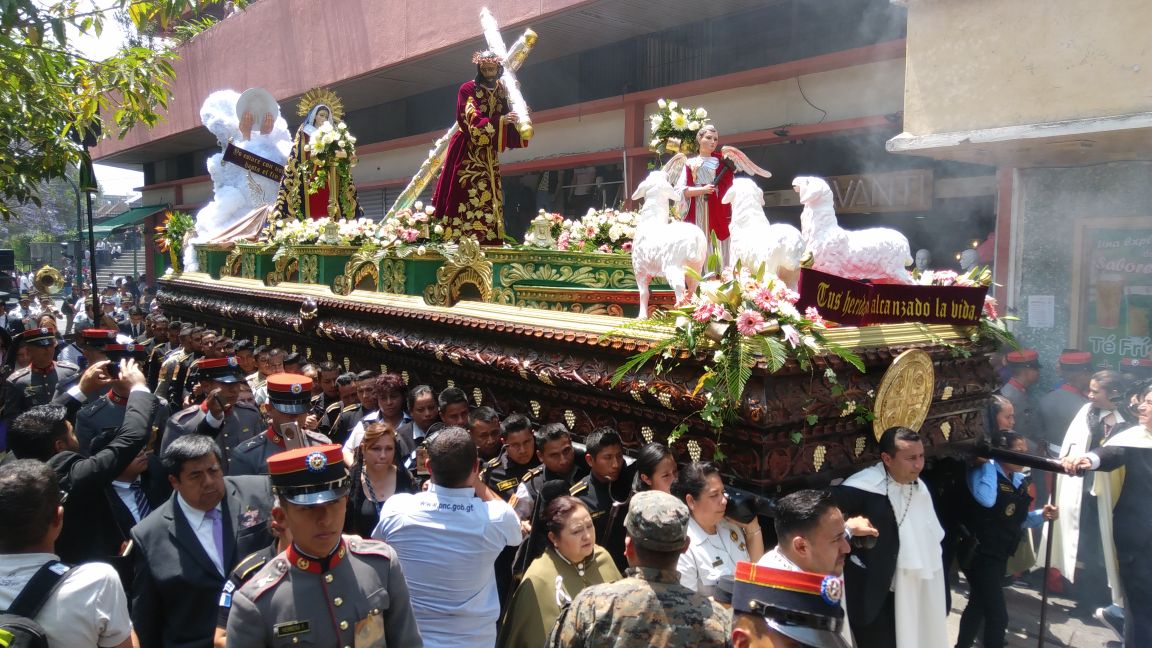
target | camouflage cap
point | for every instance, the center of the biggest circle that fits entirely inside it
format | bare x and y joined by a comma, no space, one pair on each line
657,521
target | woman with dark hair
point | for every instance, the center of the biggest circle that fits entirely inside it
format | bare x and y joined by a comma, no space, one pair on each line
571,562
716,543
1001,413
655,469
375,476
390,393
996,514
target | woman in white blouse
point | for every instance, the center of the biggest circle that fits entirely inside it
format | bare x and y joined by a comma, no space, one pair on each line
716,543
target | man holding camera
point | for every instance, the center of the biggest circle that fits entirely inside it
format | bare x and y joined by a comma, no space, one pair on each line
44,433
107,411
220,416
288,407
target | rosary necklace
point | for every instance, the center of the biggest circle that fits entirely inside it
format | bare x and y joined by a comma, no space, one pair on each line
900,490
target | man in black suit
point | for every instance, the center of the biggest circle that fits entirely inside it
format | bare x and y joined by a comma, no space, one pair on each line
134,326
128,499
892,602
44,433
186,548
1130,497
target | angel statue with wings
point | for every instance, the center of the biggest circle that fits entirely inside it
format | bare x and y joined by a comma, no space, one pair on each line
701,181
317,176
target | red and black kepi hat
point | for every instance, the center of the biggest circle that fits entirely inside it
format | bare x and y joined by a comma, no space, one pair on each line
290,393
122,351
1075,358
98,338
222,370
802,606
1023,358
310,475
43,336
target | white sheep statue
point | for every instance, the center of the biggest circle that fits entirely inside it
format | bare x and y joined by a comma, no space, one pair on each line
661,247
754,241
878,254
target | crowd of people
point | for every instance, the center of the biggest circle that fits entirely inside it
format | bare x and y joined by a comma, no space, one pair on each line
189,489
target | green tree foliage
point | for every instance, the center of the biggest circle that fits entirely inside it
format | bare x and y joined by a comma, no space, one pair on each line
49,90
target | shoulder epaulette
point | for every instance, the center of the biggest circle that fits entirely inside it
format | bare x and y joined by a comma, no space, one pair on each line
248,444
249,565
528,476
276,570
191,409
333,407
67,365
367,546
19,373
578,487
319,438
494,462
350,408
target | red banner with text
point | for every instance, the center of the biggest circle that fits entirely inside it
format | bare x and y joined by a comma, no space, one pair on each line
855,303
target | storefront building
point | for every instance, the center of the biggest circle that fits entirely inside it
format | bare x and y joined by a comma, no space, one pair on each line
1056,98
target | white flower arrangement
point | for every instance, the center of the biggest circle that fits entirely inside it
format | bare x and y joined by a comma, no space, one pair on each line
674,128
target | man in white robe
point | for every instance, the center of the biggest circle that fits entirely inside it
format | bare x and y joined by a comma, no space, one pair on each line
1091,426
896,589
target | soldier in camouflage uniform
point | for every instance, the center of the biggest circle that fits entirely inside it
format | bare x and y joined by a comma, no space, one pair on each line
326,589
650,607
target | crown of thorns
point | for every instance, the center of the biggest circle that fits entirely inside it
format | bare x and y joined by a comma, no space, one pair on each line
487,56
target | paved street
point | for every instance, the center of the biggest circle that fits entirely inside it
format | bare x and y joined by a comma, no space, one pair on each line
1024,620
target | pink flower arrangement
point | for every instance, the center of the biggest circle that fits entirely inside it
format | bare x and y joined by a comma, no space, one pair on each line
606,231
749,322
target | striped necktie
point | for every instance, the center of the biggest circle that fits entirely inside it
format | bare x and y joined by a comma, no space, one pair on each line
143,508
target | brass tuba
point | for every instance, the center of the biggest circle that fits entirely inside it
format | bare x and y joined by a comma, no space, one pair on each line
48,280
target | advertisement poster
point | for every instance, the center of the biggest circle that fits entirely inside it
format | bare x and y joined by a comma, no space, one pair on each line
1118,280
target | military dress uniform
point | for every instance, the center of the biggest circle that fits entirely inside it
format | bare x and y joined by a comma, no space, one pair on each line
251,457
803,606
173,373
241,574
107,412
28,387
242,421
354,596
345,422
289,394
503,475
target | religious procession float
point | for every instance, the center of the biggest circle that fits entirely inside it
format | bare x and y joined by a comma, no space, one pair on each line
779,353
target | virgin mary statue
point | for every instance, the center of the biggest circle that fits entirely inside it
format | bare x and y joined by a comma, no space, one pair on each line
299,198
